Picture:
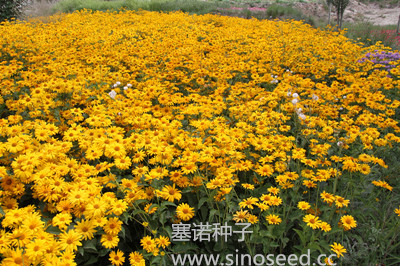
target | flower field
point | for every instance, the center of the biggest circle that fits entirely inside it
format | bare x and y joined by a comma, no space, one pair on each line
117,127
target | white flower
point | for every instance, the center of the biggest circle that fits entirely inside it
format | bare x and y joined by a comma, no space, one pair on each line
344,97
295,101
129,85
315,97
299,110
118,83
302,116
262,98
289,93
112,94
126,87
341,108
340,143
119,113
295,95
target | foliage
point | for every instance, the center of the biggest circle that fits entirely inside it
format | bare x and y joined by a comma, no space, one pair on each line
10,9
287,12
369,34
192,6
116,126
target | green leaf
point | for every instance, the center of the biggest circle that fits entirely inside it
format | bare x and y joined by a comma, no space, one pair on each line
92,260
81,251
201,202
184,247
212,214
301,235
90,245
168,203
53,230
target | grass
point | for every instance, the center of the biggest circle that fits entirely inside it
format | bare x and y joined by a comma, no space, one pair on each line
190,6
369,34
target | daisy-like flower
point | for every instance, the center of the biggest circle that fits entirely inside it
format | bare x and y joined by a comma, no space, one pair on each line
383,184
273,190
148,243
252,219
348,222
338,249
185,212
248,203
240,216
170,193
340,202
273,219
248,186
109,241
327,197
303,205
136,259
117,257
70,240
86,228
397,211
162,241
312,221
324,226
113,226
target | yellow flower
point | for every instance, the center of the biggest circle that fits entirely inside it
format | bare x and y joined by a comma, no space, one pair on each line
248,203
70,240
348,222
397,211
248,186
252,219
170,193
148,243
273,219
312,221
185,212
303,205
86,228
113,226
340,202
62,220
162,241
383,184
240,216
324,226
338,249
109,241
136,259
117,257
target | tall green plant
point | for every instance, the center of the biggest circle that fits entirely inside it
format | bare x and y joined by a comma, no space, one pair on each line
10,9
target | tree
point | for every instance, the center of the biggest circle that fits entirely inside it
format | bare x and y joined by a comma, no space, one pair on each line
10,9
340,6
329,2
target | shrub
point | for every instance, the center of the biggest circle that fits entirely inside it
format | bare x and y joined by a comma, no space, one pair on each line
10,9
